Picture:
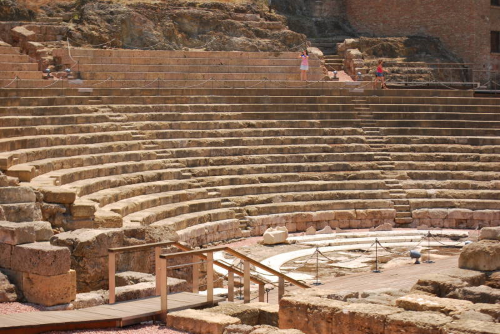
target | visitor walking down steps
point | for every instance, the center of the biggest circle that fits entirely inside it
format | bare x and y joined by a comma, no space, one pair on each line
304,65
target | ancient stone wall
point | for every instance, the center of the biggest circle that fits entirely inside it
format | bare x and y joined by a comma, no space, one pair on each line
437,18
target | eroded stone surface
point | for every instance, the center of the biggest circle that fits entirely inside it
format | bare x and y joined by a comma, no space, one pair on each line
50,290
7,290
200,322
483,255
41,258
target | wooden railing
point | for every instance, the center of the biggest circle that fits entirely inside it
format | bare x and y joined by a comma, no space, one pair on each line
209,257
196,268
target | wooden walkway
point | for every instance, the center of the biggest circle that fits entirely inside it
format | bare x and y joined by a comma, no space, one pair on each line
103,316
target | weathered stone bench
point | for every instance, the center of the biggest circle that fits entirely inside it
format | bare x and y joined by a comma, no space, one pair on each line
150,215
192,219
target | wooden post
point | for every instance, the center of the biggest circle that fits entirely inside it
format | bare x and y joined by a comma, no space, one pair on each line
262,292
111,276
196,274
210,277
246,281
281,288
230,286
163,290
158,270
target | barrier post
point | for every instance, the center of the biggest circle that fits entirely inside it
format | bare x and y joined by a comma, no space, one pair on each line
196,275
376,257
111,276
164,291
158,270
281,288
210,277
230,286
246,281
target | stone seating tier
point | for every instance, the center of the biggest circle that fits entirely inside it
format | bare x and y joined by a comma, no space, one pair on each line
24,156
64,98
333,88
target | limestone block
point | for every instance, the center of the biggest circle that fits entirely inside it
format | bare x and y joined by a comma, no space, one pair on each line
345,214
135,291
238,329
41,258
490,233
248,315
472,327
437,213
21,33
326,230
416,323
471,277
43,230
132,277
21,212
83,209
459,214
420,214
483,255
58,195
90,299
7,290
200,322
310,314
273,236
323,215
50,290
478,294
484,215
17,195
5,255
438,284
492,310
107,219
268,313
16,233
310,230
362,318
383,227
264,329
89,243
419,302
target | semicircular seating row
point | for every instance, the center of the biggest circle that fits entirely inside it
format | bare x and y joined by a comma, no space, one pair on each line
214,164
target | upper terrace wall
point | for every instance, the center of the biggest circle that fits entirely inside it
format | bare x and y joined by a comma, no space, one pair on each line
463,25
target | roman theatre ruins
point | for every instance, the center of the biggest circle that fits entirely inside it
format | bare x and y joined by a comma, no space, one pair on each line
163,166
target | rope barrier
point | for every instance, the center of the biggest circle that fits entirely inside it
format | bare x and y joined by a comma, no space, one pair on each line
149,84
10,83
52,84
69,53
101,82
197,85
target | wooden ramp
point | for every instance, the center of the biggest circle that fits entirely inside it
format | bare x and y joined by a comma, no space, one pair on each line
103,316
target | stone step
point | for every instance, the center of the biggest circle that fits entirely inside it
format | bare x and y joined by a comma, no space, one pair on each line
404,214
400,202
405,220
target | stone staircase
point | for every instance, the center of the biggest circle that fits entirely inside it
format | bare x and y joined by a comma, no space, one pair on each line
328,45
334,63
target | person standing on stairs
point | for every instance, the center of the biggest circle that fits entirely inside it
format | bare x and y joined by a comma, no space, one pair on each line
379,75
304,65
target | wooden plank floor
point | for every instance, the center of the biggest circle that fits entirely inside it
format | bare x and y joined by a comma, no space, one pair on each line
103,316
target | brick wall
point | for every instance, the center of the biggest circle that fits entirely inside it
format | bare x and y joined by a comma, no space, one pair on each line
462,25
